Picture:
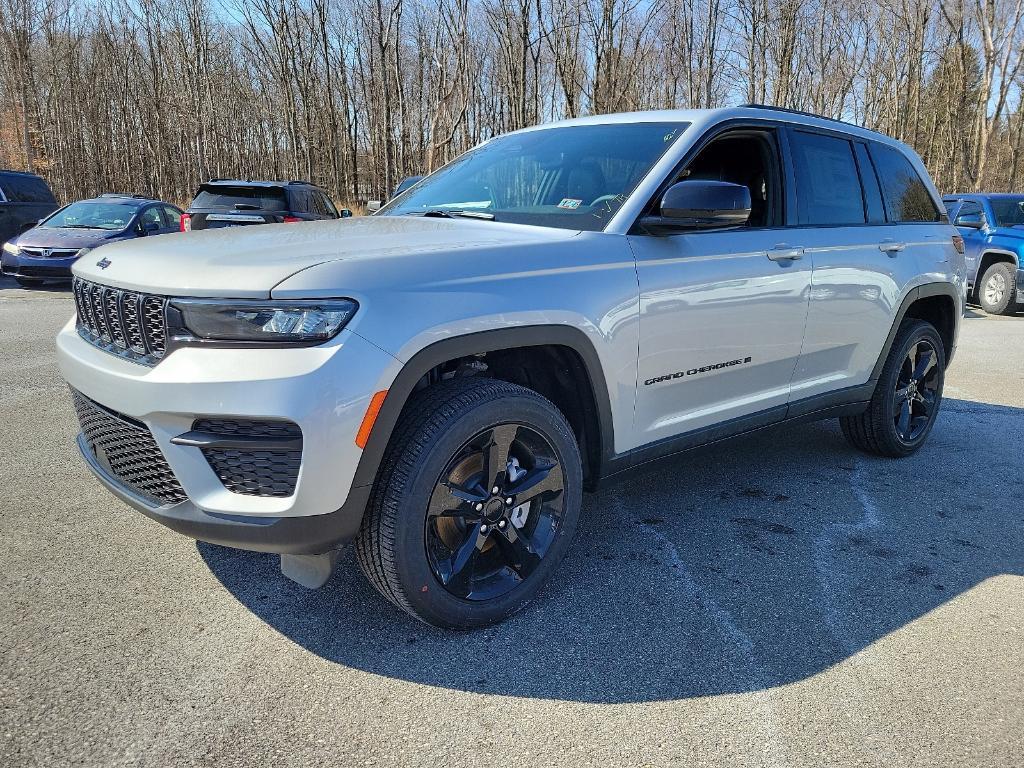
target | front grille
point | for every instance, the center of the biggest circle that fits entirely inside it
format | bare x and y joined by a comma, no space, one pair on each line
127,450
124,323
253,471
52,253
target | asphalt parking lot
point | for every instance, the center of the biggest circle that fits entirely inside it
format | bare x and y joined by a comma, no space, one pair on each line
778,600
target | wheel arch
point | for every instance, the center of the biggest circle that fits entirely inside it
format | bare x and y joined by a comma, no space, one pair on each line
935,303
590,413
990,256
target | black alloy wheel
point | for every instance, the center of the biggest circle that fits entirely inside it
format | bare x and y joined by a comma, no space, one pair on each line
494,513
475,504
916,395
903,407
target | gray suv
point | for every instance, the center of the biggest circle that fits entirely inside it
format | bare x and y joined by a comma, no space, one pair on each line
442,381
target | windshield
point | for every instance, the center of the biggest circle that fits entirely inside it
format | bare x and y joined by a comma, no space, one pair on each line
574,177
90,215
1008,211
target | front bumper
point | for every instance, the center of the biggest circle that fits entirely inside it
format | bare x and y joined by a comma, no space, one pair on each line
1020,286
323,389
36,269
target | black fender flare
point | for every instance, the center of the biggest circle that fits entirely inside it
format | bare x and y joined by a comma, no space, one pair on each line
915,294
474,343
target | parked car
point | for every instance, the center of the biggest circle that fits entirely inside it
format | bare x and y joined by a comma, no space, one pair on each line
24,199
441,381
234,203
992,226
48,251
375,205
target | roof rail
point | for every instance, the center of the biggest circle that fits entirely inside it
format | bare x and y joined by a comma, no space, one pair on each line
802,113
299,181
125,194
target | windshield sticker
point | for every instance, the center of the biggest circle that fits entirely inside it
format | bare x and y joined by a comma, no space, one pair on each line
570,203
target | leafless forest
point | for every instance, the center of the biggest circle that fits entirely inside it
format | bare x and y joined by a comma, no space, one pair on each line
156,95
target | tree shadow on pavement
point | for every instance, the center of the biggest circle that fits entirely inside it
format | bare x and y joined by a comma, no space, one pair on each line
758,562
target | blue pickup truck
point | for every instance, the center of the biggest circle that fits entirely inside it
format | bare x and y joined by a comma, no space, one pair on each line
992,226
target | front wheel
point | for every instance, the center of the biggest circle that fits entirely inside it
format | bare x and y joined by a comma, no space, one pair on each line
906,400
476,503
997,289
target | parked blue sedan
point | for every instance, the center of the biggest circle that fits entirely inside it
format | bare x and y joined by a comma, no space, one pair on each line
47,251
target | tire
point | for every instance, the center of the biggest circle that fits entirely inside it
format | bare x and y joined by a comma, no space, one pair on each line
415,527
28,282
997,289
884,429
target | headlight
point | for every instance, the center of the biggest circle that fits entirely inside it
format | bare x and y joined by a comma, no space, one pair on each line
82,252
12,249
271,321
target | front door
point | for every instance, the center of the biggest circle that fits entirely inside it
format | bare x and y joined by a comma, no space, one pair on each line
722,313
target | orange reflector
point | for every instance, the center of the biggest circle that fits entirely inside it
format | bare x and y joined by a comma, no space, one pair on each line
371,416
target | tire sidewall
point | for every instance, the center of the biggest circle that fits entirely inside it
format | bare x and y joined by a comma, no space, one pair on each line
1008,295
920,331
418,582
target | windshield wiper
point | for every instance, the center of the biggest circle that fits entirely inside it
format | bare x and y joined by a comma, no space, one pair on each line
451,213
79,226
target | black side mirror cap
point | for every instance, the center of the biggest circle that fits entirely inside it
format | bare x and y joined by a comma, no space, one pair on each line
700,204
345,213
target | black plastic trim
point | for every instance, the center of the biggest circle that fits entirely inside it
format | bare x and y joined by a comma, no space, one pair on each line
263,443
914,294
478,343
308,535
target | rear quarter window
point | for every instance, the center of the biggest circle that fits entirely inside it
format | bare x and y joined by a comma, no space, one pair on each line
25,189
907,199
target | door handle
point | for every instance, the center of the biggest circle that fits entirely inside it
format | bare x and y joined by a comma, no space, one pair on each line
783,252
891,247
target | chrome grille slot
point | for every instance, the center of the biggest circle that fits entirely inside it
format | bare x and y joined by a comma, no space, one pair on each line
125,323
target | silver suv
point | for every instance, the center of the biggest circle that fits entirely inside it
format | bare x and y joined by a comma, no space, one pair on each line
440,382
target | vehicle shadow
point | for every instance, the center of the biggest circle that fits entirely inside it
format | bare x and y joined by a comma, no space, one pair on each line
751,564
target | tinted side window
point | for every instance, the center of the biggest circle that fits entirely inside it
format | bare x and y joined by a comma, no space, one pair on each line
906,197
26,189
172,216
869,179
827,183
328,206
152,216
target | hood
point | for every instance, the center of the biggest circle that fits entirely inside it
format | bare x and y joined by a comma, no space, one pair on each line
53,237
247,262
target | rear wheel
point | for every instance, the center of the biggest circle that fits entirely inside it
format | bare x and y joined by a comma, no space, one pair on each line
906,400
997,289
476,503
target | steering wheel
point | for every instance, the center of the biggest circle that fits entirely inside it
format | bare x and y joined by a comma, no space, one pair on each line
604,199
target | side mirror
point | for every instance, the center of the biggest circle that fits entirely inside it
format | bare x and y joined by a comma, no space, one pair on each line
373,206
345,213
700,204
148,226
970,221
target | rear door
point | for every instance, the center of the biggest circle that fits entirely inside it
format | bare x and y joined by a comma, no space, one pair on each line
863,232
